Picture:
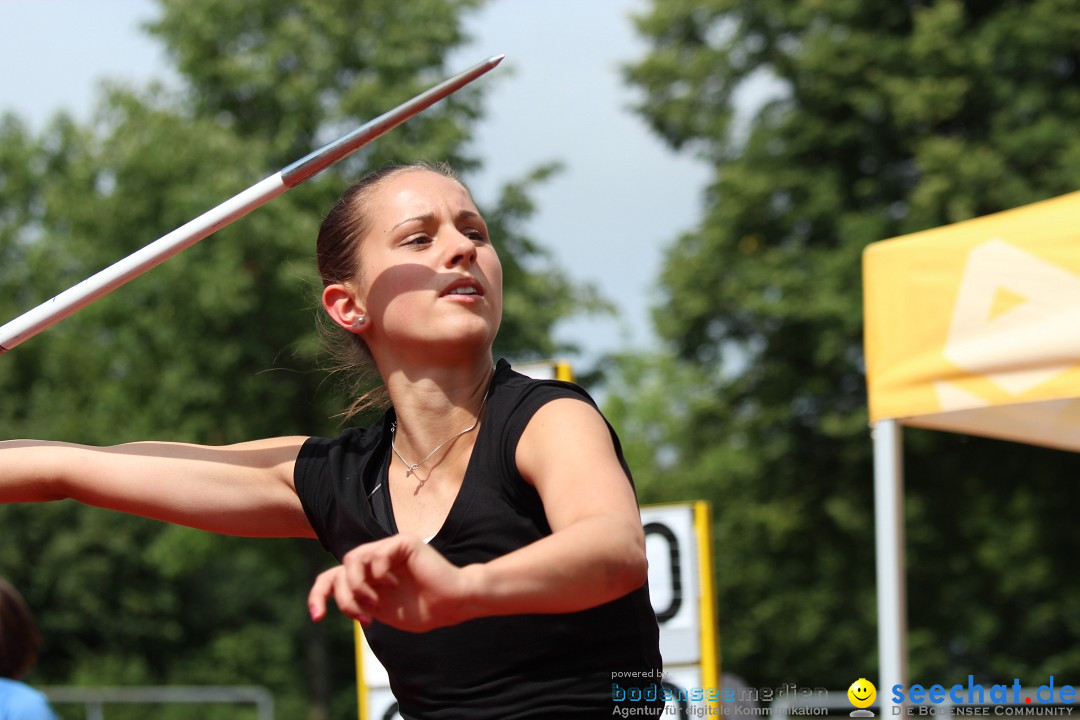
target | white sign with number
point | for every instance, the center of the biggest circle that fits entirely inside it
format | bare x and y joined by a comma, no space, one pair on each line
671,546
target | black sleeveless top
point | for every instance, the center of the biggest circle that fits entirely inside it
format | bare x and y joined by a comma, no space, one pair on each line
514,667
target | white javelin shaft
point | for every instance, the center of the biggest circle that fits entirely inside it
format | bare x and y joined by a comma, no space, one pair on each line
104,282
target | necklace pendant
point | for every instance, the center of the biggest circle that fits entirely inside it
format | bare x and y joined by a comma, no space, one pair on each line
411,468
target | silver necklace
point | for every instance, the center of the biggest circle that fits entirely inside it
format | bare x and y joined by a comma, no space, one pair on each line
411,468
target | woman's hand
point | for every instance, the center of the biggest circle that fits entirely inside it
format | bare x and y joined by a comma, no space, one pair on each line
399,581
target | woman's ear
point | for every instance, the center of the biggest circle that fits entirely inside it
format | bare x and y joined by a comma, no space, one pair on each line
341,305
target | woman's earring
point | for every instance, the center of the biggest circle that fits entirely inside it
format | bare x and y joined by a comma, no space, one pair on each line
360,319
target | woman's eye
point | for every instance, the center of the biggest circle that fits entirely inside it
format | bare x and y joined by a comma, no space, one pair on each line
476,235
417,240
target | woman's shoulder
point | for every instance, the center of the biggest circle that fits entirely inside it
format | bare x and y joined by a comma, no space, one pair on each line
327,465
22,701
332,477
352,439
516,399
518,388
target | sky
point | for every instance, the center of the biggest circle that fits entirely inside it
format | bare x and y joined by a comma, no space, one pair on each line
606,218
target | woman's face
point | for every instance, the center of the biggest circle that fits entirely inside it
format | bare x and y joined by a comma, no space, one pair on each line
430,275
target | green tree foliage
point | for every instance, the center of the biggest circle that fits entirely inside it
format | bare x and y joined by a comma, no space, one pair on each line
218,344
300,72
892,117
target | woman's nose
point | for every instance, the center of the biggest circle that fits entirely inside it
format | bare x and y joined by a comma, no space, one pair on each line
464,253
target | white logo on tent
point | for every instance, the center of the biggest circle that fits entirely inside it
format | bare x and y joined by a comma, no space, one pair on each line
1016,320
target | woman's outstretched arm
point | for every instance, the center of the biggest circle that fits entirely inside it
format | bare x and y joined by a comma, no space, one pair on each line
244,489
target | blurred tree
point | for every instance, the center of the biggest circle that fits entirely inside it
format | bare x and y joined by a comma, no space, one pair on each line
889,118
218,344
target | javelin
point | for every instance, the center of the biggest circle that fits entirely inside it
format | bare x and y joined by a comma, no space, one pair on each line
104,282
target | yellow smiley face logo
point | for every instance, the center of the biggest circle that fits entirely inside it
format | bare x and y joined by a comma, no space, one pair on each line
862,693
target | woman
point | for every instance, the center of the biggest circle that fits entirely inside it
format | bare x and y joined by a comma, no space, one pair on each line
487,527
18,651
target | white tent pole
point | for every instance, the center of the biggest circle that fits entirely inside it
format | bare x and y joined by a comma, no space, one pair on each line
891,588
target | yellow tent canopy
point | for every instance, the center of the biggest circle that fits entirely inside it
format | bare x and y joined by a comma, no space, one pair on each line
971,328
975,327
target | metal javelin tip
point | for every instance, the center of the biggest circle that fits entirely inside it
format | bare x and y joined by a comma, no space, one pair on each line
344,146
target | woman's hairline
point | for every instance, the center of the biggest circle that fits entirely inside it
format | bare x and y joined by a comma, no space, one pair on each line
365,195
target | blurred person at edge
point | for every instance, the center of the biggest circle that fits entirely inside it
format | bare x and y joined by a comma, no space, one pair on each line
18,651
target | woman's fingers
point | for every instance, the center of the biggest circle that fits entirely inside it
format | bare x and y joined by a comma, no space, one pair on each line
334,583
321,589
385,557
347,602
316,600
371,565
366,574
357,579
